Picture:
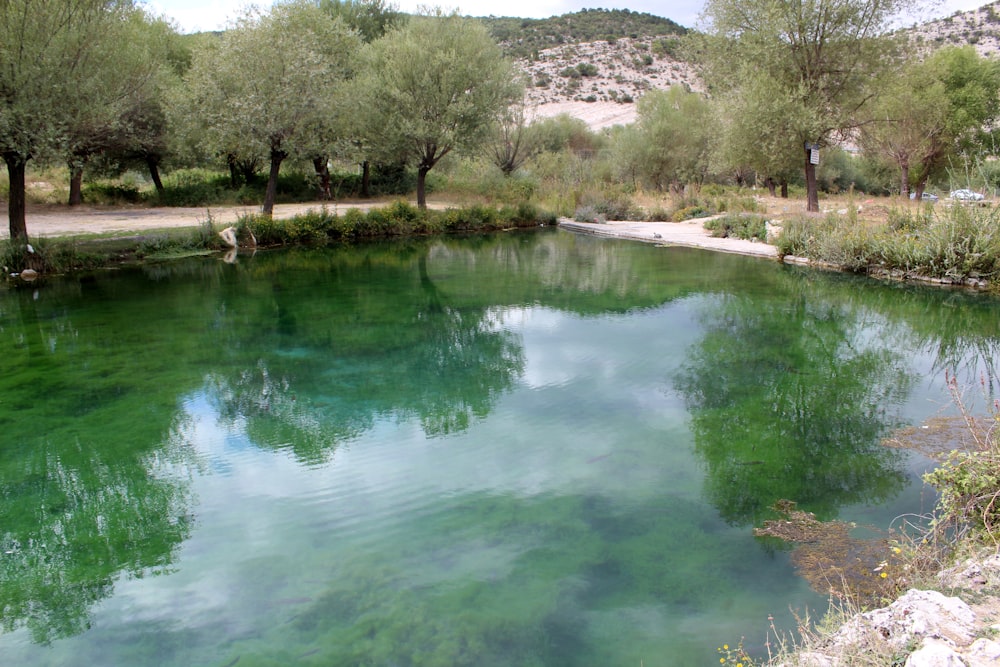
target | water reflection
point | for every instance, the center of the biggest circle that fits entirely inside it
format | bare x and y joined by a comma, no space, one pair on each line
790,397
560,502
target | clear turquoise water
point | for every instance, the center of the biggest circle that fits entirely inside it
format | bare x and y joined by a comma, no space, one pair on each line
522,449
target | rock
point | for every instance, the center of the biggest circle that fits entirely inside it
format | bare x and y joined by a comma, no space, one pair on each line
814,659
983,653
229,236
29,275
972,574
915,615
935,653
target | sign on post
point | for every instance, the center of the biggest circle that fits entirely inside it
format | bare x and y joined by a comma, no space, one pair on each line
813,150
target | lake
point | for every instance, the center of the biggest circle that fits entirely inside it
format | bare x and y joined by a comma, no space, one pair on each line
530,448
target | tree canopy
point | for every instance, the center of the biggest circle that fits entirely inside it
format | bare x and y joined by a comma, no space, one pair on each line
434,86
269,88
818,57
63,75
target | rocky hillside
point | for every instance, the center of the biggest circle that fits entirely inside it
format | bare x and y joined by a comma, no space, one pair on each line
596,63
978,27
600,81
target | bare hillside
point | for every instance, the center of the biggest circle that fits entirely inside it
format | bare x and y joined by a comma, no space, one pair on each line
599,82
978,27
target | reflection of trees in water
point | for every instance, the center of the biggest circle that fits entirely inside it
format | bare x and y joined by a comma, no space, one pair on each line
82,502
342,346
72,528
789,399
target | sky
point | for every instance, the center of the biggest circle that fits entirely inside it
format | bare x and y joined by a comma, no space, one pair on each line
198,15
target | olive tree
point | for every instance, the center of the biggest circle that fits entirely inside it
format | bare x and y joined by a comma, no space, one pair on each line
61,61
750,139
269,87
434,86
675,127
821,55
938,112
134,70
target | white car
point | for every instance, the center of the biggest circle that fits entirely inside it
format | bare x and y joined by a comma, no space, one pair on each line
966,195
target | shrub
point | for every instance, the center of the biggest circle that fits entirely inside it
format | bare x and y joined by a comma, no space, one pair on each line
192,187
738,226
112,194
589,214
969,481
689,212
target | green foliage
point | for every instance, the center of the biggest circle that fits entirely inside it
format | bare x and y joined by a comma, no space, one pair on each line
433,87
111,193
397,219
792,77
520,38
968,481
956,243
669,145
739,227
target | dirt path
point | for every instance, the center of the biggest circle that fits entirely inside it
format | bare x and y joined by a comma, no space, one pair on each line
64,221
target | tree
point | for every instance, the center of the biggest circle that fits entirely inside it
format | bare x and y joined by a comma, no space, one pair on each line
436,85
371,19
128,76
907,124
271,83
937,112
820,54
54,67
750,138
511,141
669,145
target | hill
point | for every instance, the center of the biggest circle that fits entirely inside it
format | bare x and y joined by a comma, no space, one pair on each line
526,38
594,64
978,27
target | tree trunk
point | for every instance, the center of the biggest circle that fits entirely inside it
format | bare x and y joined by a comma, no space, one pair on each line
421,186
366,179
75,185
154,173
784,188
234,175
322,167
771,185
904,178
812,192
272,183
16,164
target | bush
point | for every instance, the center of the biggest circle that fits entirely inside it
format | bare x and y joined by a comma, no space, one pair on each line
969,481
689,212
956,243
589,214
737,226
192,187
112,194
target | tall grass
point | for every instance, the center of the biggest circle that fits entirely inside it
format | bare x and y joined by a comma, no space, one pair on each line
956,243
397,219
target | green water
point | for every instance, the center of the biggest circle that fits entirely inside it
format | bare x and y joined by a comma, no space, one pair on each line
523,449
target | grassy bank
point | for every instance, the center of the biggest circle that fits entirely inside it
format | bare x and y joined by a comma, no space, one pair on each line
957,244
315,227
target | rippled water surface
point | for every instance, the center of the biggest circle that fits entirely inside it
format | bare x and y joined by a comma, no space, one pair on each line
522,449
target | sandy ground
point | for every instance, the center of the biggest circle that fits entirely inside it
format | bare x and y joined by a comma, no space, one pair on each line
64,221
597,115
690,234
